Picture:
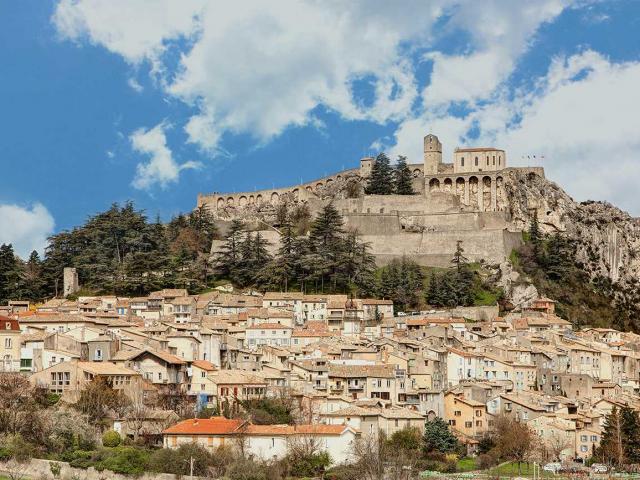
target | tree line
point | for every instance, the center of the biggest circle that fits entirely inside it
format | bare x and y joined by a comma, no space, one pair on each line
118,251
328,259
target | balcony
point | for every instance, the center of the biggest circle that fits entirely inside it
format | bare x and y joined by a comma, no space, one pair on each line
355,387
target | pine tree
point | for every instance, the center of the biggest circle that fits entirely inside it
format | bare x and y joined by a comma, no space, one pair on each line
281,271
381,181
438,438
403,177
228,258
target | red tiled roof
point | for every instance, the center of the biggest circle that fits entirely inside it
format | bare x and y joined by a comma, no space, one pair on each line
204,365
205,426
7,323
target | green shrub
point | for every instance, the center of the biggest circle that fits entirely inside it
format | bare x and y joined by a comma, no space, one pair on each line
246,470
55,469
343,472
178,461
309,465
126,460
111,438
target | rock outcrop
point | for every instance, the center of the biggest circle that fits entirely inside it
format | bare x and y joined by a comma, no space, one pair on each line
607,238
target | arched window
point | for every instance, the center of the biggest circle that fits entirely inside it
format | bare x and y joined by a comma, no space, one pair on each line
476,161
462,161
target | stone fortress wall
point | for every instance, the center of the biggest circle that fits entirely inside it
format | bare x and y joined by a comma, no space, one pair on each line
465,200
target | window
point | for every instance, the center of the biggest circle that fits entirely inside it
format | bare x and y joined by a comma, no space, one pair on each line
478,423
468,424
462,161
7,343
203,374
584,438
584,448
494,159
594,438
476,161
487,160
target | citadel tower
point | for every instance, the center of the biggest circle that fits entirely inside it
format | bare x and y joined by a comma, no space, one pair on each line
432,154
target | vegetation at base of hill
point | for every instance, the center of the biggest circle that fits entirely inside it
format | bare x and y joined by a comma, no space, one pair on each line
549,261
116,252
387,180
120,252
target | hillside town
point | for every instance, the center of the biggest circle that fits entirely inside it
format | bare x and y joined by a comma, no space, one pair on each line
349,366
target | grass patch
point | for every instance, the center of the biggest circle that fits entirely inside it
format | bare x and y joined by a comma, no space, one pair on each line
466,464
511,469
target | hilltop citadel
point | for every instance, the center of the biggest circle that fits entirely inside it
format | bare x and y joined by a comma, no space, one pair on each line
464,200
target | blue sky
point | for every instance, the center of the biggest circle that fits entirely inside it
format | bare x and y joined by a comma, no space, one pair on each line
154,101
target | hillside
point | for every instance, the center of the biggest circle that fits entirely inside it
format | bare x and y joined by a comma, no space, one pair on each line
600,286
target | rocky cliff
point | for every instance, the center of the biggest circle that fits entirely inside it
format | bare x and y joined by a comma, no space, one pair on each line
607,239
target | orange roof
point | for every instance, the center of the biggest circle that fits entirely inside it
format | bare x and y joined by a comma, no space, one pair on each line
205,426
7,323
204,365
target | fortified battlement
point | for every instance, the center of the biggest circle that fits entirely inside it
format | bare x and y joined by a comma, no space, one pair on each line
463,200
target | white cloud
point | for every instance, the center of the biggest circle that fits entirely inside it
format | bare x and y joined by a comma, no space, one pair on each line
584,121
137,30
26,228
161,168
580,116
500,32
135,85
259,67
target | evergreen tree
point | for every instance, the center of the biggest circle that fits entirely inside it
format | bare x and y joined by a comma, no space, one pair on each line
402,281
228,258
631,433
33,279
280,273
381,181
535,237
10,274
438,438
612,443
326,243
403,177
559,260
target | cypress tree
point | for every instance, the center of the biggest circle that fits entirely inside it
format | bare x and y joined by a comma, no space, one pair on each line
403,178
381,181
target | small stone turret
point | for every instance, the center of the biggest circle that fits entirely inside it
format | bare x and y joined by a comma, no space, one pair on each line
432,154
366,164
69,281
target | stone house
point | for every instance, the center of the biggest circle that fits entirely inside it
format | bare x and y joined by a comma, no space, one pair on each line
72,376
370,421
467,418
9,344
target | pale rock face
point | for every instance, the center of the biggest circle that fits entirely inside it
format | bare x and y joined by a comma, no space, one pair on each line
608,239
517,290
